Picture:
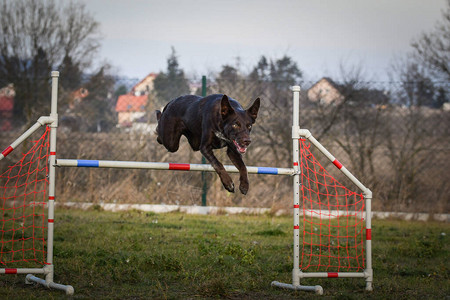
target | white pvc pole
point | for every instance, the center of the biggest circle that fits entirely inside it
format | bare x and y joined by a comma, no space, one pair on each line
22,271
296,272
49,268
51,177
296,183
333,275
307,134
368,271
25,135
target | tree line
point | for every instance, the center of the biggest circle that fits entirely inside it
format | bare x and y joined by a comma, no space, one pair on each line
43,35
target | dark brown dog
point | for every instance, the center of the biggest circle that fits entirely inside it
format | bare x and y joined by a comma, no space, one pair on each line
212,122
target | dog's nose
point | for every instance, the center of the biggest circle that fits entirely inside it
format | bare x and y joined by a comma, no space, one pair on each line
246,142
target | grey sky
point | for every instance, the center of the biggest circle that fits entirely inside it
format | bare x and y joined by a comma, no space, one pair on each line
319,35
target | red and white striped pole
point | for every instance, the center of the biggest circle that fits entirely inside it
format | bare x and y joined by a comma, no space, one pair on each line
296,184
49,268
296,272
40,122
51,174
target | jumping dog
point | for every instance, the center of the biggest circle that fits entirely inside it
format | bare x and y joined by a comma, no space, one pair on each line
208,123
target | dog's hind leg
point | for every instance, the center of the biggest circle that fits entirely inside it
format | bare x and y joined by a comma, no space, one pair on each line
169,133
236,159
220,170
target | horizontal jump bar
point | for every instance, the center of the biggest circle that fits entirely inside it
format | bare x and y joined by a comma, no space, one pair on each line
82,163
333,275
22,271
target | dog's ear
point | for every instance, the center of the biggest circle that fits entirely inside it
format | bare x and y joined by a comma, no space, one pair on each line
158,115
253,110
225,107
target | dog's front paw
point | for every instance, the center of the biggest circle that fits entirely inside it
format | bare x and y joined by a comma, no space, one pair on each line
228,184
230,187
243,187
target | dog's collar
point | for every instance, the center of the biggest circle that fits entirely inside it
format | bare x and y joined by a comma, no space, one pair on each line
221,136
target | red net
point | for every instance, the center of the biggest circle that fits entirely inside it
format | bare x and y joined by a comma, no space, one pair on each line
333,220
23,192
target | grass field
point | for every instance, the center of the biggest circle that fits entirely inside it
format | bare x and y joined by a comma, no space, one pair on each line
137,255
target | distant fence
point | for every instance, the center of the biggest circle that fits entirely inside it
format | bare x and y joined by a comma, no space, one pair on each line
392,135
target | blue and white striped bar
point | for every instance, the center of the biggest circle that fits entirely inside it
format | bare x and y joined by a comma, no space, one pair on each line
82,163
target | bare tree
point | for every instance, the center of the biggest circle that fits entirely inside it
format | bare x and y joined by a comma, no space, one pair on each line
273,79
353,121
413,137
433,49
36,37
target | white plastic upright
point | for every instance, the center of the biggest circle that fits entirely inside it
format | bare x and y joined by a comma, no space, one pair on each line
296,183
49,268
296,272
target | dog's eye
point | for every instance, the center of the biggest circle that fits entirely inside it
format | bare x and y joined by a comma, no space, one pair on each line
235,126
249,127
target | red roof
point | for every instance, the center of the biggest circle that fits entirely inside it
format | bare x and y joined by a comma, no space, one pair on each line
131,103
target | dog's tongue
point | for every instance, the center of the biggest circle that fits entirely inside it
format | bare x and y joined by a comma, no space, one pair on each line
240,148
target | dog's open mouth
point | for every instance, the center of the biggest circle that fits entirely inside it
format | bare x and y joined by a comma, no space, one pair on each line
241,149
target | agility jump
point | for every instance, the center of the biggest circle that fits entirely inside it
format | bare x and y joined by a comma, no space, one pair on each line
334,237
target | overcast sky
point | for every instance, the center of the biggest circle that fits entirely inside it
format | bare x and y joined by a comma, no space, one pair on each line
207,34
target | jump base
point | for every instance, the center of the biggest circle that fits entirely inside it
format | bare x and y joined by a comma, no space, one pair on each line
30,279
308,288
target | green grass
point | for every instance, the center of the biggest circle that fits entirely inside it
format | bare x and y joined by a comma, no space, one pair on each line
137,255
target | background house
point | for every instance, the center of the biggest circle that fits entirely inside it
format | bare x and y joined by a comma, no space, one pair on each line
326,92
144,86
6,107
131,108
